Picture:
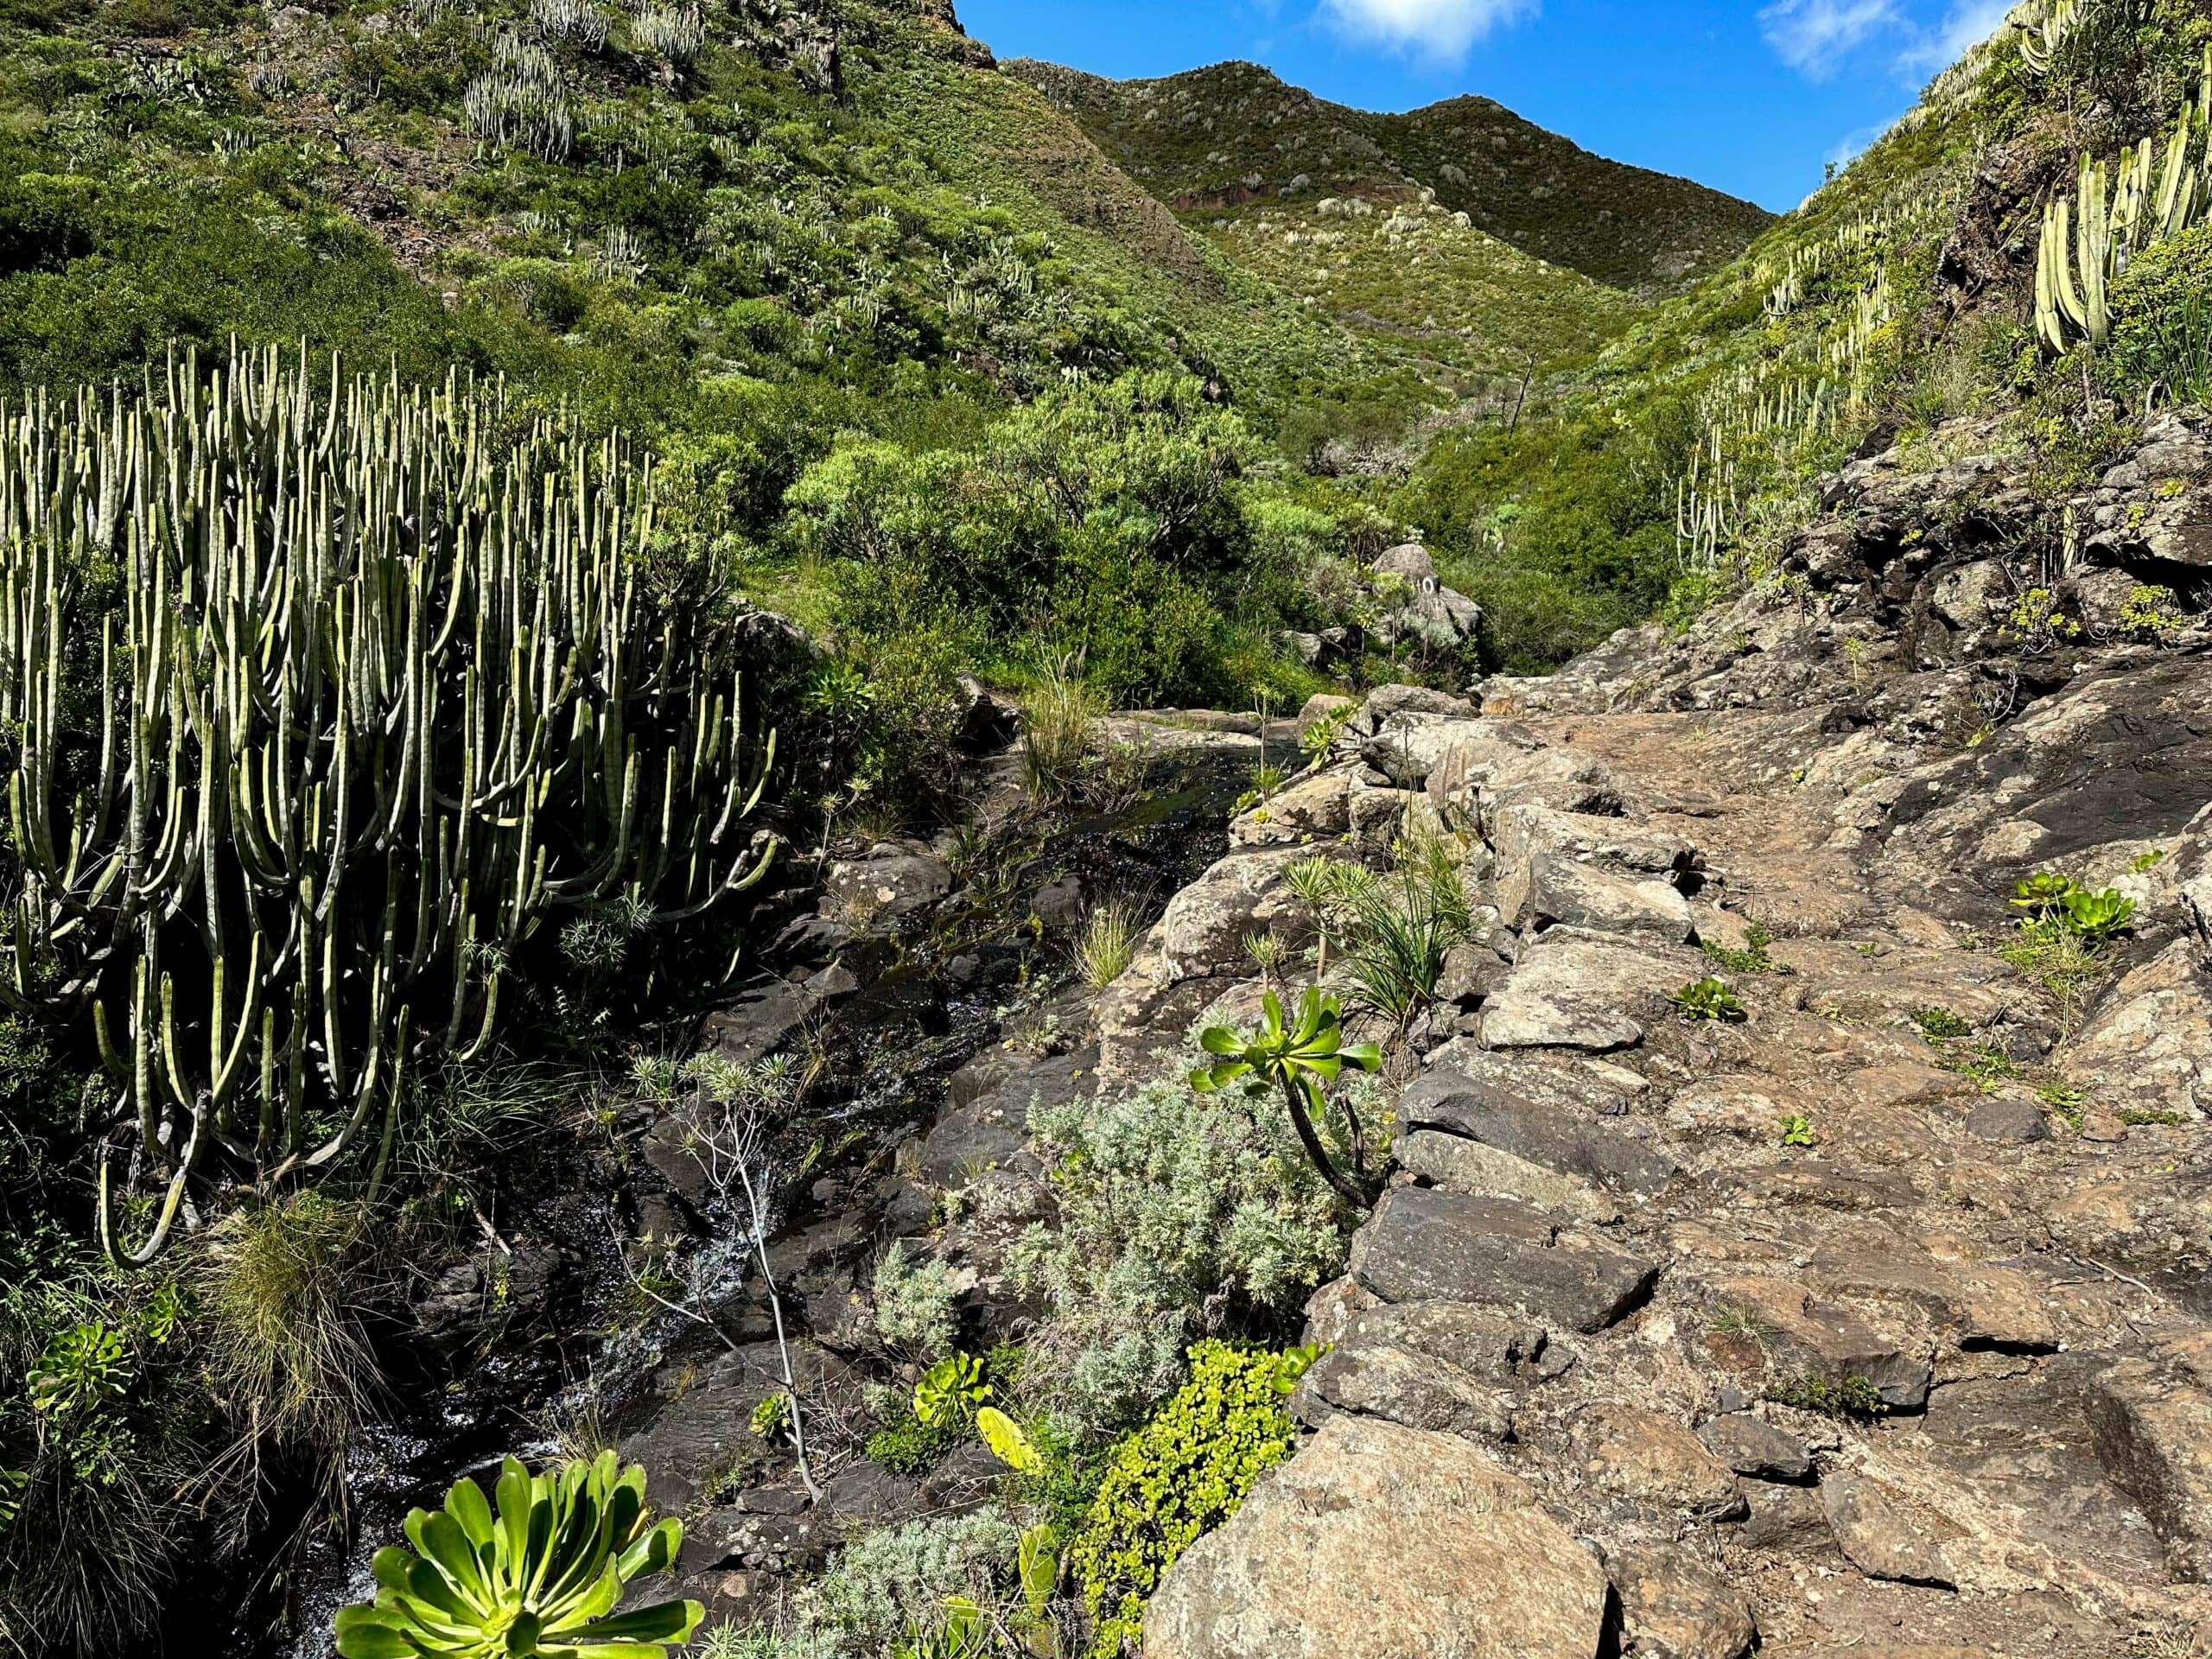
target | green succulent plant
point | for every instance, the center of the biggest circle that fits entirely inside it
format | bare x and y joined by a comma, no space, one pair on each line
2099,915
539,1576
951,1390
84,1367
1298,1059
2042,893
1708,999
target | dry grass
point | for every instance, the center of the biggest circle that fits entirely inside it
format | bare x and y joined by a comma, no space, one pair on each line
284,1290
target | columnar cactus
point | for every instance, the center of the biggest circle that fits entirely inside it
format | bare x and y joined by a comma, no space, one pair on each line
320,706
2088,238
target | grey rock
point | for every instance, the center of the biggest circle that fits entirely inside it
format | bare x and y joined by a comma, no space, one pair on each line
1464,1165
1561,889
2016,1123
1422,1245
1499,1115
1416,1390
879,892
759,1021
1751,1446
1530,837
1314,807
2153,1435
1572,990
1885,1535
1476,1568
1675,1606
1206,924
1788,1520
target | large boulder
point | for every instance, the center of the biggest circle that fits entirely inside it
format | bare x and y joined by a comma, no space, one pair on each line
1206,924
1378,1542
1480,1108
2149,1048
884,888
1314,807
2154,1437
1536,844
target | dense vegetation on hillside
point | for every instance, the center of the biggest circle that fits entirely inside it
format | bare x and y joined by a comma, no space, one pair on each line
445,439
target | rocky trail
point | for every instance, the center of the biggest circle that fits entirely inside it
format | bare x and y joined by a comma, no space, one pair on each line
1872,1319
1871,1323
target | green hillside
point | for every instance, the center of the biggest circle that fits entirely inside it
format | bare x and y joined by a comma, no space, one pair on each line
1236,133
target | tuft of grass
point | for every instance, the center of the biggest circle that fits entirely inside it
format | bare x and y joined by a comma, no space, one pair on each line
2060,960
1060,732
1403,924
1108,942
283,1289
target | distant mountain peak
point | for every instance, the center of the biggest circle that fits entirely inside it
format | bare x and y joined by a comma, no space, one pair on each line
1237,132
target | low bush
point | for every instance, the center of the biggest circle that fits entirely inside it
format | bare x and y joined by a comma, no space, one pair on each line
1186,1471
1175,1209
901,1579
913,1309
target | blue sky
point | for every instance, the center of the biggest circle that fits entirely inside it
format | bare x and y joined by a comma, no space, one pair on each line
1752,98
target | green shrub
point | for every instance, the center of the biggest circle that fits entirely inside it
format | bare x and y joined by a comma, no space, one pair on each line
1939,1024
913,1310
901,1579
1753,959
906,1446
1853,1396
1185,1472
1169,1201
2162,320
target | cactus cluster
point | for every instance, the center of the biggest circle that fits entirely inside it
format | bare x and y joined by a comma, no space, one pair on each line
522,99
322,695
2152,193
2044,26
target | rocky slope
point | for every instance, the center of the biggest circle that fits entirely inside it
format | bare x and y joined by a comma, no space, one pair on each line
1874,1323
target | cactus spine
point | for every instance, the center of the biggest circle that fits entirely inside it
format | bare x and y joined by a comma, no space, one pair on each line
323,695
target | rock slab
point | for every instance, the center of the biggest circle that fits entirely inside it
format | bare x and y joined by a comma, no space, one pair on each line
1382,1542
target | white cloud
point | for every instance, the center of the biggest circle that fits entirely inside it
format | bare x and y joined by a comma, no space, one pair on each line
1436,29
1968,23
1815,36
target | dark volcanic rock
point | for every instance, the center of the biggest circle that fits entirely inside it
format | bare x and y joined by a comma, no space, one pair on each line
1422,1245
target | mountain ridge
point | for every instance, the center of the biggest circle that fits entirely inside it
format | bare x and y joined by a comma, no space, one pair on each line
1547,197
